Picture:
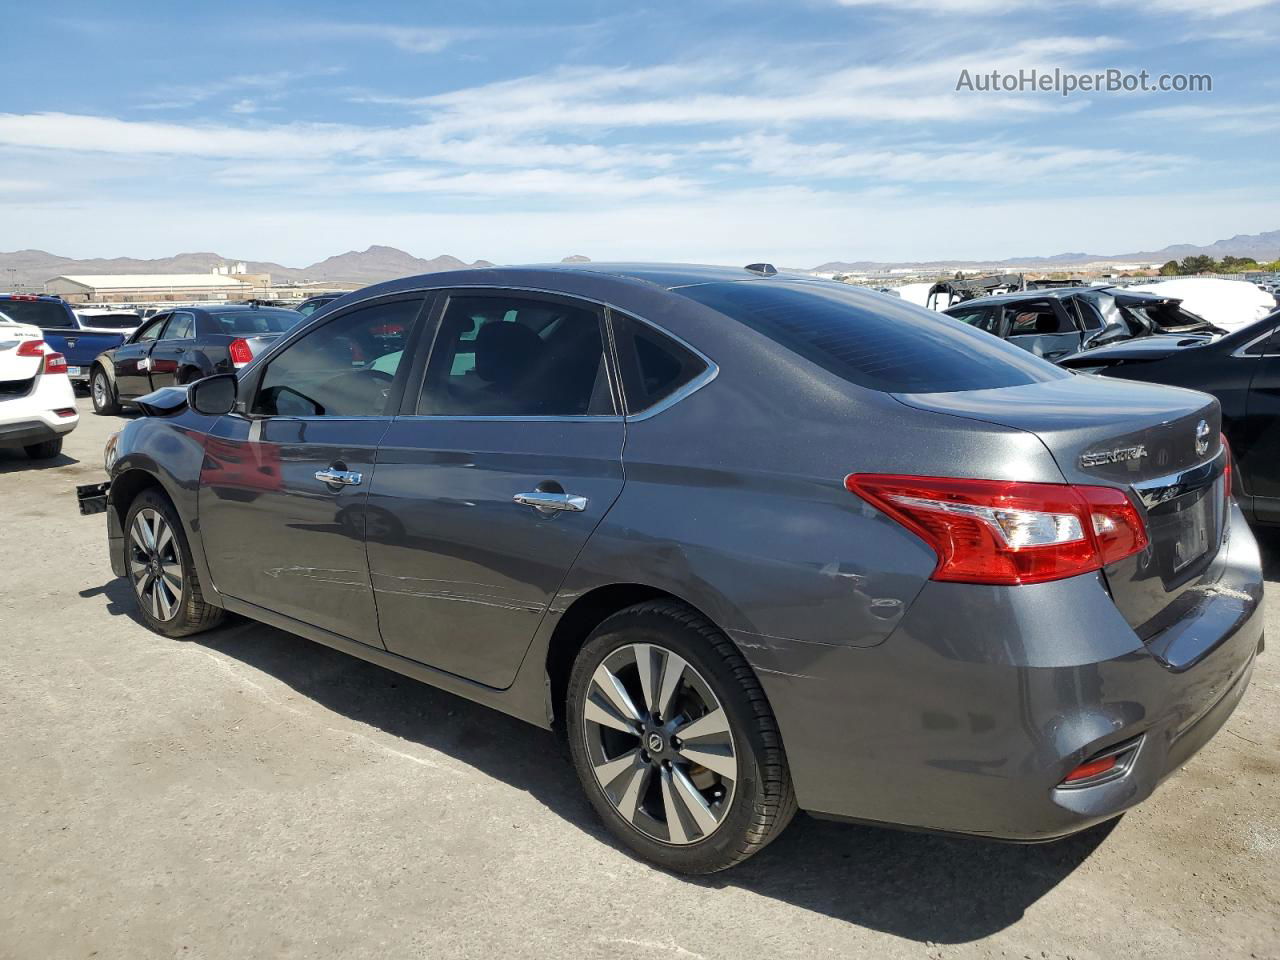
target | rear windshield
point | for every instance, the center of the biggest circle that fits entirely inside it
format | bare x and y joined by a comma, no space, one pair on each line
268,320
38,313
111,321
875,342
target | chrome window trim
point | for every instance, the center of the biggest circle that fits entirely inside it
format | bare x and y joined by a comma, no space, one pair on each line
1243,353
1160,490
694,385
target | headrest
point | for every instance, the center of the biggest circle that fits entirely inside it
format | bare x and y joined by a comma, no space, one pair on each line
505,351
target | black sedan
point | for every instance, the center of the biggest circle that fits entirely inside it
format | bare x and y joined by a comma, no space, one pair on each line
181,346
1242,370
1055,323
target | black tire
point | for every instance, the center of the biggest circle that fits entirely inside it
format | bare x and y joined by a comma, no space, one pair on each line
755,808
44,451
172,612
105,403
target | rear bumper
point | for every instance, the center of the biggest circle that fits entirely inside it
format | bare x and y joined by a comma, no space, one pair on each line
969,716
22,433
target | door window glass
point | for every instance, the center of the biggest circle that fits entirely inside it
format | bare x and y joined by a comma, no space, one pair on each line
984,318
516,356
1031,319
181,327
345,368
151,330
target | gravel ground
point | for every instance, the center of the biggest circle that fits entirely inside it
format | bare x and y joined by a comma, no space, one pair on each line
249,794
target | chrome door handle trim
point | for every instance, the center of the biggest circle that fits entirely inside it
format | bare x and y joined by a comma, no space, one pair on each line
345,477
552,501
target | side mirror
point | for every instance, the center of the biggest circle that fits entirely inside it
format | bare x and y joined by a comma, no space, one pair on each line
213,396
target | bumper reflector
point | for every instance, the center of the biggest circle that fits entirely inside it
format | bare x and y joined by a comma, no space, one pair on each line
1090,769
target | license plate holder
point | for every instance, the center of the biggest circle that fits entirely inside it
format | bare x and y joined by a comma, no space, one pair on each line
73,371
1193,536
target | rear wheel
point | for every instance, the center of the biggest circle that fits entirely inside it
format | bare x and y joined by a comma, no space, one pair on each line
674,741
44,451
164,579
104,396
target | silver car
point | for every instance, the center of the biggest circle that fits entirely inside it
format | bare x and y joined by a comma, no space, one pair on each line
753,543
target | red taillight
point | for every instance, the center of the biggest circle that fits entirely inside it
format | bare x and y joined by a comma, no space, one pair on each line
240,353
55,363
1008,532
66,411
22,296
1091,769
31,348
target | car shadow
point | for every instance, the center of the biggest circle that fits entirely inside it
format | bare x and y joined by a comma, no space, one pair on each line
16,461
913,885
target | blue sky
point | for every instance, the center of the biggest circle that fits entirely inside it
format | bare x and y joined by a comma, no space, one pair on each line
717,130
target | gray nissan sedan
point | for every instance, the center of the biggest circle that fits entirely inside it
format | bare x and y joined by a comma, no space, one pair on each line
755,543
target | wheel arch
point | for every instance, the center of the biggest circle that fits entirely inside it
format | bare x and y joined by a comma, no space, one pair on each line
579,619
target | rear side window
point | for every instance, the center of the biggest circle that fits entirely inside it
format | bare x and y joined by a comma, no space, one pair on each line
516,356
983,318
1036,319
181,327
654,366
874,342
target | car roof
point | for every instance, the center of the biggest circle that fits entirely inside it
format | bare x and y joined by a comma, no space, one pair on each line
667,276
234,308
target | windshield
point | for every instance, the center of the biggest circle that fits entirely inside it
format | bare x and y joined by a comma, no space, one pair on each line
262,320
39,313
873,342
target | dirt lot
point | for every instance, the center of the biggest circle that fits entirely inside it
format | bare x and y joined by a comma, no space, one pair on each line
250,794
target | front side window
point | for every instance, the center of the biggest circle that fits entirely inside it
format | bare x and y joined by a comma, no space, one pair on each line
152,330
984,318
516,356
345,368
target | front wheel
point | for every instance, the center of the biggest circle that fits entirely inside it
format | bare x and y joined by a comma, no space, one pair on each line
164,579
104,396
674,741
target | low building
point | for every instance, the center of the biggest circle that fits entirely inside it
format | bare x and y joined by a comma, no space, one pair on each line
152,287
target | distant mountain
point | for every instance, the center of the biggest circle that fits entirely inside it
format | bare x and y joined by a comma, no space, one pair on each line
1263,247
31,268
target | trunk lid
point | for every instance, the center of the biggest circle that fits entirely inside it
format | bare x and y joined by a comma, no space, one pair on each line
1162,444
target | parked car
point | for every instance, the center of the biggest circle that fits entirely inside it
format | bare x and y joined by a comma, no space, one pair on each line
312,304
37,404
1243,371
755,542
1055,323
182,345
78,343
947,293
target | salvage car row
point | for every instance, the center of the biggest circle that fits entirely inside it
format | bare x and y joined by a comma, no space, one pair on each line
755,543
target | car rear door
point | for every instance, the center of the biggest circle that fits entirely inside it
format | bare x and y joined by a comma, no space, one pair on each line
133,360
286,476
1258,442
177,338
491,480
1042,327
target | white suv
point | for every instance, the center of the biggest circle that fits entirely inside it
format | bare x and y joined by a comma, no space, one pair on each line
37,404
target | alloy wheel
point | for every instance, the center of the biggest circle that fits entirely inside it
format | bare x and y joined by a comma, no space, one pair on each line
155,564
660,744
100,391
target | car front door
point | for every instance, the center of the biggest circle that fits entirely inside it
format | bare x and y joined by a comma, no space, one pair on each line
286,475
132,360
176,339
492,479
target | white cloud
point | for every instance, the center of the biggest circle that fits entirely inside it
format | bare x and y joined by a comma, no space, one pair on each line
1192,8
